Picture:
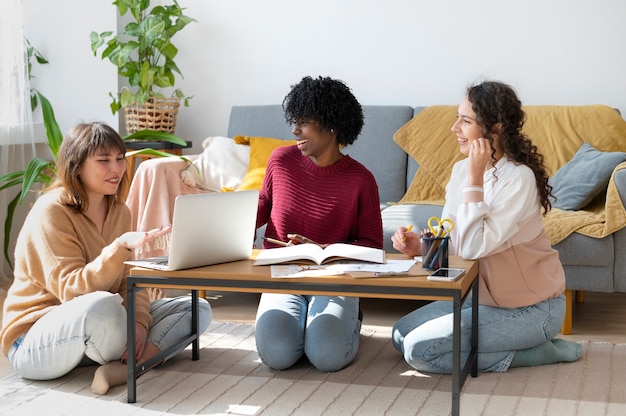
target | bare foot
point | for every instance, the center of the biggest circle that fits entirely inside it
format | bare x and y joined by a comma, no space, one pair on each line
109,375
155,293
115,373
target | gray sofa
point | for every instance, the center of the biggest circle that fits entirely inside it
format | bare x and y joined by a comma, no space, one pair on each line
590,263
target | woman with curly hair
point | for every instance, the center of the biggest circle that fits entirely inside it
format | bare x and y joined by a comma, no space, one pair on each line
312,192
495,197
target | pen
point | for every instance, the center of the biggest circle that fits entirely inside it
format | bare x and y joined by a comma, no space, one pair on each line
433,262
275,241
408,230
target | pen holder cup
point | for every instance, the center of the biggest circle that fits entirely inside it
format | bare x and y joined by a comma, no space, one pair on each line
434,252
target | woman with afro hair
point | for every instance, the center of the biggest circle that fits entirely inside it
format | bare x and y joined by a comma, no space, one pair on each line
312,192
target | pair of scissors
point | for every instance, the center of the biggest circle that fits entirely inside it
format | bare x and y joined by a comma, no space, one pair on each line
438,228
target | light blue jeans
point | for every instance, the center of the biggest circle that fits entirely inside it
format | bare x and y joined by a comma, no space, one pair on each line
424,336
324,328
91,329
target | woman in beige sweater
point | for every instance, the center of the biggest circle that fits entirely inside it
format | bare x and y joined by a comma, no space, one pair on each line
65,307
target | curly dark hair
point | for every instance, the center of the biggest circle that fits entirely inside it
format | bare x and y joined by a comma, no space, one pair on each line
327,101
499,111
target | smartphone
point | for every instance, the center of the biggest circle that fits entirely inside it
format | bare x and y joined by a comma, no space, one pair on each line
446,275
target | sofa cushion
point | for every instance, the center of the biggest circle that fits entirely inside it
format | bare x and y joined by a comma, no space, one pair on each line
221,166
428,140
261,149
259,120
375,144
584,177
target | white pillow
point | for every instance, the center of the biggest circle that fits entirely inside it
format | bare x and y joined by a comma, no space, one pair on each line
222,165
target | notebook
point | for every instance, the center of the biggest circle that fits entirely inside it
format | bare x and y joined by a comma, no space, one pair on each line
208,229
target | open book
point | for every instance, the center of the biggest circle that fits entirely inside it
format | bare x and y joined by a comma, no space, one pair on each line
318,255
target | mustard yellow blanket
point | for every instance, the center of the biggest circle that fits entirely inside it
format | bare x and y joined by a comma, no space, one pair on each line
557,131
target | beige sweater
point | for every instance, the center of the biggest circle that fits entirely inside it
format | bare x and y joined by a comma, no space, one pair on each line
61,255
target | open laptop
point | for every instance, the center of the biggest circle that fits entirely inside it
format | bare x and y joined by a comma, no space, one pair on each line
208,229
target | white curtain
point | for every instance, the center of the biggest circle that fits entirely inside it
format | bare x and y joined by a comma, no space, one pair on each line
17,145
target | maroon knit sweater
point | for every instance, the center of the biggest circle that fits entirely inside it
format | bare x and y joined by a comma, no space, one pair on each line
333,204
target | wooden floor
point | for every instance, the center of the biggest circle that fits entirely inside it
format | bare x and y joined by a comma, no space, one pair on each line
602,317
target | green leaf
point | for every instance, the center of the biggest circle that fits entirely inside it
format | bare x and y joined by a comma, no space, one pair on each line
152,28
11,179
164,79
169,51
183,21
115,106
33,174
153,135
98,40
171,66
157,153
53,131
147,75
8,222
149,152
33,100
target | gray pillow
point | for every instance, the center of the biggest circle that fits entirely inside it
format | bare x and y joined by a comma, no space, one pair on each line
584,177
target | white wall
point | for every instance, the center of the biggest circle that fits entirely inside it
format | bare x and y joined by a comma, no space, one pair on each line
412,52
76,83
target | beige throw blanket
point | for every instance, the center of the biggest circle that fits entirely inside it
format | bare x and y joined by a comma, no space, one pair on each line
557,131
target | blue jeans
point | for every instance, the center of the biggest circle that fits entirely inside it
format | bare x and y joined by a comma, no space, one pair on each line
92,329
325,328
424,336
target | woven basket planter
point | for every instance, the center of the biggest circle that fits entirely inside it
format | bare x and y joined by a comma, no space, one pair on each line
158,114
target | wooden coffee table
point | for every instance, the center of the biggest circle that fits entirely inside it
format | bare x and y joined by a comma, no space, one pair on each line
243,276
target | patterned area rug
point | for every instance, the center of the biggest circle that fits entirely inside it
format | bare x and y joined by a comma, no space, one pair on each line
229,379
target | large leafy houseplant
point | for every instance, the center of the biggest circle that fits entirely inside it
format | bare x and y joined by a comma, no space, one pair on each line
38,170
144,53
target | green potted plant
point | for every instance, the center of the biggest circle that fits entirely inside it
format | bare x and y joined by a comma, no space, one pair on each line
144,54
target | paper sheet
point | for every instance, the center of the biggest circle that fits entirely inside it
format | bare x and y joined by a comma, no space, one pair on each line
392,267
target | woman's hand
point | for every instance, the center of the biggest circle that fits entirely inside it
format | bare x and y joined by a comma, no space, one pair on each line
299,239
407,242
134,239
478,158
141,334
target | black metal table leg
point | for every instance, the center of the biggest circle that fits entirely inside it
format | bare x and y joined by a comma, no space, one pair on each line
475,328
130,340
456,355
195,324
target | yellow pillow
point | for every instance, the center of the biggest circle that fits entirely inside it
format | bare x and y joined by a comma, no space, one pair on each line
260,150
